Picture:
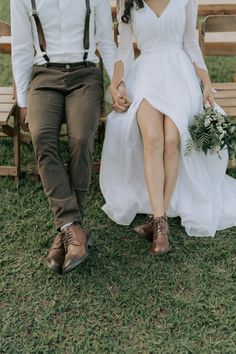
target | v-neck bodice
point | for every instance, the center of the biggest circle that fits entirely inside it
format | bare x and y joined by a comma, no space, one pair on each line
174,30
163,11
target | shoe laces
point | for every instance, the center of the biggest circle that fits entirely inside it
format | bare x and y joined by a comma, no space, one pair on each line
148,220
68,239
159,226
59,242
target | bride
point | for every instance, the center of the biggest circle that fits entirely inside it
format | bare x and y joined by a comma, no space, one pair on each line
144,168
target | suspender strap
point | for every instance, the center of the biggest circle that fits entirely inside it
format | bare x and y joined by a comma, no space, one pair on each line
42,42
86,30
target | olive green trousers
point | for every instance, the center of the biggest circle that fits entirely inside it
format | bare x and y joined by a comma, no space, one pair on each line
72,95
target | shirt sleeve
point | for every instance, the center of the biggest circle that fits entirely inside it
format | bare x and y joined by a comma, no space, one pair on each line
104,35
191,44
125,52
22,49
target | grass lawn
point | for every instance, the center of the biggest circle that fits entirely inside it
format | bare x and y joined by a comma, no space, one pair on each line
121,300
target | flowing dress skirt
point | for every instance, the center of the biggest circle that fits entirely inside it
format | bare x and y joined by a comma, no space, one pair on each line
204,197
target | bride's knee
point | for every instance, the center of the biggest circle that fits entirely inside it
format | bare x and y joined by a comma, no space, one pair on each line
153,142
171,145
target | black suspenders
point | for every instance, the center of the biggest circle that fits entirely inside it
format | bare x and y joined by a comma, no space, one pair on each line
42,42
41,37
86,30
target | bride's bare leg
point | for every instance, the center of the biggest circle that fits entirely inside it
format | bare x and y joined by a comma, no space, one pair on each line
151,124
171,159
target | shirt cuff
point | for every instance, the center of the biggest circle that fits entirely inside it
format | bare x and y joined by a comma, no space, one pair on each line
22,99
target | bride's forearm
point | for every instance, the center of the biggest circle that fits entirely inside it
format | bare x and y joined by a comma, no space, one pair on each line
118,74
203,76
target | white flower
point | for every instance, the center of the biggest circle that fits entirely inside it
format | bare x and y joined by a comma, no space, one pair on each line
220,129
216,149
207,122
222,136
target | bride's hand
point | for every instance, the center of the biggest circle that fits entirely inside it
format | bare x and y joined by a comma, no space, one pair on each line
121,101
208,97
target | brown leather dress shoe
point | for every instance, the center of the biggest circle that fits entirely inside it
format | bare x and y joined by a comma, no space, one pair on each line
56,254
76,243
146,229
161,236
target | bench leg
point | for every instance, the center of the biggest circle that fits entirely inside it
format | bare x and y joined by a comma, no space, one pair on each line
17,144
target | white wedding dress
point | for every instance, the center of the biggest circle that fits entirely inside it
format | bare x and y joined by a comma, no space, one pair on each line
164,75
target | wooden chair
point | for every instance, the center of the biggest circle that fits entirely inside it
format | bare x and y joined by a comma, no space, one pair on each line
225,94
8,108
216,7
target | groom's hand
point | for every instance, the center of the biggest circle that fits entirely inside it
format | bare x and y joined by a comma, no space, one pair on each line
120,100
23,114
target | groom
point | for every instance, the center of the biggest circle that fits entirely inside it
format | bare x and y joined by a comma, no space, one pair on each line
54,65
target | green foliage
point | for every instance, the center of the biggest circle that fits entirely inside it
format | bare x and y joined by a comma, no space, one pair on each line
211,132
122,300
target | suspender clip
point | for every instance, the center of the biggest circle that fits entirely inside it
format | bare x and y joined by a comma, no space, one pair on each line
46,57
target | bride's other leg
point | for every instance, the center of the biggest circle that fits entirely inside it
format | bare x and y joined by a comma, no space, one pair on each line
151,126
171,159
150,122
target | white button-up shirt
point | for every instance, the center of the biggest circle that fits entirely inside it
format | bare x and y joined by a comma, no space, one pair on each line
63,25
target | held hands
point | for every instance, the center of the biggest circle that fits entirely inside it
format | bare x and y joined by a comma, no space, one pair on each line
121,101
208,97
23,124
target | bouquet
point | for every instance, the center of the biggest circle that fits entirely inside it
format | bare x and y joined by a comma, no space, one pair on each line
212,131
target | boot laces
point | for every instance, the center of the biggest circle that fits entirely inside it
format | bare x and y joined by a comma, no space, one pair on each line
149,219
69,239
59,242
159,227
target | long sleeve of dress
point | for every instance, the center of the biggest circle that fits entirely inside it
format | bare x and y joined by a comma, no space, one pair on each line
191,44
125,52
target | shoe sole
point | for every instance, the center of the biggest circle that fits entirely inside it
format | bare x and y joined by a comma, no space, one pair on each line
161,252
75,264
55,268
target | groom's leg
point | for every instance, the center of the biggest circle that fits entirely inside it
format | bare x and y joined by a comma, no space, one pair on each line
83,109
46,109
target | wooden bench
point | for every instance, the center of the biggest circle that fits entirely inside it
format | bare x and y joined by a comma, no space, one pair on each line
226,92
216,7
8,108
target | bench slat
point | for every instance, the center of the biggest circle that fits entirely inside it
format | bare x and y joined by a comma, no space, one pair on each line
6,90
4,117
8,171
226,102
6,99
231,111
225,86
225,94
6,107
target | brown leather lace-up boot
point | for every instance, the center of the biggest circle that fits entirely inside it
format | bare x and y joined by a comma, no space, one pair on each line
76,242
56,254
146,229
161,235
